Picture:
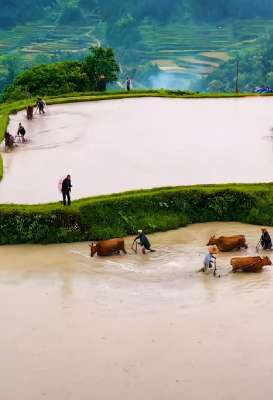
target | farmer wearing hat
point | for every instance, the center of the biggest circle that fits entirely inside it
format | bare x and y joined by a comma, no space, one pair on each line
143,242
210,259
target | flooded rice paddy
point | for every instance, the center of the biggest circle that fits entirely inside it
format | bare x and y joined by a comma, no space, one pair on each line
119,145
135,327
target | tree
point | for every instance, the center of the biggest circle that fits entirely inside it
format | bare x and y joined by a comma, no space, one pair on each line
100,65
49,79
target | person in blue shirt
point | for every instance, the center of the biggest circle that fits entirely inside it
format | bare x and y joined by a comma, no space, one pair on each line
143,241
210,260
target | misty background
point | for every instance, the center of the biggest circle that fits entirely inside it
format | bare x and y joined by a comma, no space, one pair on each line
177,44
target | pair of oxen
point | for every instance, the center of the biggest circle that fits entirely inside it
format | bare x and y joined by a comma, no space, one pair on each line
245,264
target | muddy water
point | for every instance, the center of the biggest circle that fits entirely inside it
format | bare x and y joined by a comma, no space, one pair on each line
134,327
140,143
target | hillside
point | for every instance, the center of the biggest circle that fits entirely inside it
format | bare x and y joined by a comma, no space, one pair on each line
156,44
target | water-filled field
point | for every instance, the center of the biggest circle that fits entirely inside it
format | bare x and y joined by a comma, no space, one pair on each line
122,327
120,145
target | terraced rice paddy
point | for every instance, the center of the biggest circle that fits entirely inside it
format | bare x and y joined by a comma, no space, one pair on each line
197,50
135,327
50,39
118,145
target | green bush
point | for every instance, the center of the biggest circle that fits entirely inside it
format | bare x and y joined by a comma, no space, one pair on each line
122,214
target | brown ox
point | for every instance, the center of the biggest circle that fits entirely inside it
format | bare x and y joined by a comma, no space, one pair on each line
228,243
107,247
249,264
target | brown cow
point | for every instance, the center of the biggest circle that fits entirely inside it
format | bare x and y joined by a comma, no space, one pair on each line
249,264
107,247
228,243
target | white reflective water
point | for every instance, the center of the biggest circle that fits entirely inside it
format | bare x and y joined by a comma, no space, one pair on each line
135,327
118,145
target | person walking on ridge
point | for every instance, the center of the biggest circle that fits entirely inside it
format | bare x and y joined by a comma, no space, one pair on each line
129,84
66,189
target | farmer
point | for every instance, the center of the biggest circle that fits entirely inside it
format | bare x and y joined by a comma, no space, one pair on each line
129,84
143,242
210,260
21,132
40,105
265,240
9,141
66,189
29,112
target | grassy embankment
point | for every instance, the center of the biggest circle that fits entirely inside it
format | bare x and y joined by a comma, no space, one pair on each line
122,214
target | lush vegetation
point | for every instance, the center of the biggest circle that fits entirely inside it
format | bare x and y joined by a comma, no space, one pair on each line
161,10
122,214
93,73
157,42
13,11
255,69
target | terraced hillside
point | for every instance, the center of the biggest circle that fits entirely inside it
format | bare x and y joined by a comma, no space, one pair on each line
49,39
196,50
187,50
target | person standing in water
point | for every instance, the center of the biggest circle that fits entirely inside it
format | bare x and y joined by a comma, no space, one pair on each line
66,189
265,240
143,242
21,132
210,260
40,105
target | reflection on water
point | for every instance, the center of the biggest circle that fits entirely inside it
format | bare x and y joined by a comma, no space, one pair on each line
72,323
78,138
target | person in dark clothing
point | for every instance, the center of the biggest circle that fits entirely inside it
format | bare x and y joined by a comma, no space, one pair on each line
9,141
66,189
21,132
265,240
102,83
29,112
129,84
143,241
40,105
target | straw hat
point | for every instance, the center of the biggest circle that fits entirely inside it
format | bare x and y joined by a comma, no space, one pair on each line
213,249
139,231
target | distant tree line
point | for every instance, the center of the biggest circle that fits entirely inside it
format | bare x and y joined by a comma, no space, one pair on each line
15,12
163,10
